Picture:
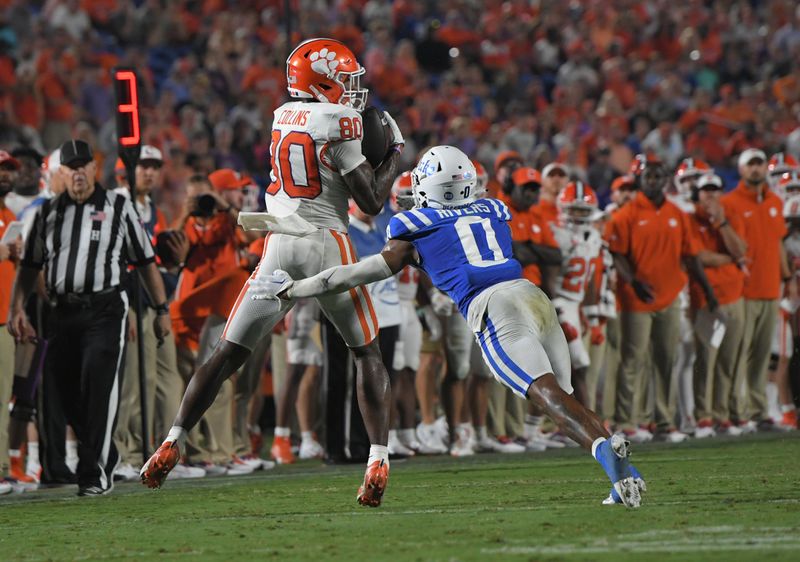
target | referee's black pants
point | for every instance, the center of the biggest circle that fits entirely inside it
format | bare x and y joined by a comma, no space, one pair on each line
84,366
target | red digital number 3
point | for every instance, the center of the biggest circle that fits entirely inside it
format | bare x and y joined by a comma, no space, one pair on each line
131,108
301,180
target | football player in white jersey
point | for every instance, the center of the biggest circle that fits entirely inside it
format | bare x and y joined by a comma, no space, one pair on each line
409,343
580,245
780,164
779,393
317,165
465,246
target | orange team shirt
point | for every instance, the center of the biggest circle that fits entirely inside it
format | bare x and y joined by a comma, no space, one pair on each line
727,280
548,210
654,240
764,230
7,268
57,106
214,253
528,226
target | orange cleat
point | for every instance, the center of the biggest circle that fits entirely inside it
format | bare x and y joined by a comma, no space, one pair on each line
281,450
156,469
375,481
790,419
17,471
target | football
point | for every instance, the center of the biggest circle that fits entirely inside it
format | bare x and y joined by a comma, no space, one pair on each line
377,136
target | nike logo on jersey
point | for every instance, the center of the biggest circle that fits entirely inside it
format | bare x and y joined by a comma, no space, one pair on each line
642,222
747,214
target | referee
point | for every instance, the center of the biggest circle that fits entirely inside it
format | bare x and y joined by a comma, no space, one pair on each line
84,240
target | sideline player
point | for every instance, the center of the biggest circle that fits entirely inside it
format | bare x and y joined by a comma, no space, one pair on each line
464,244
580,245
317,164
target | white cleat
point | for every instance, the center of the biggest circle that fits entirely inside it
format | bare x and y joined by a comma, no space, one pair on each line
239,467
461,449
729,429
504,445
126,472
462,446
442,428
396,447
5,488
639,435
704,432
673,436
537,440
748,427
562,439
430,442
181,471
310,449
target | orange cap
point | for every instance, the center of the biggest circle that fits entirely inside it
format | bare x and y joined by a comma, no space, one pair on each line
621,182
524,175
227,179
5,157
504,157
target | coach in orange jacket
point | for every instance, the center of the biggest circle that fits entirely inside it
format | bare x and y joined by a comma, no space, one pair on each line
650,239
719,231
764,229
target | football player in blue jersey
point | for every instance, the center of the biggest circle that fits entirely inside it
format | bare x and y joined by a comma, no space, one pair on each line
464,244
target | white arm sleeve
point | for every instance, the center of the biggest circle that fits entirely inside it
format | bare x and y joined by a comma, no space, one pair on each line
341,278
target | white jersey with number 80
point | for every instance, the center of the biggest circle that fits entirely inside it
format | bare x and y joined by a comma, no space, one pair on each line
313,145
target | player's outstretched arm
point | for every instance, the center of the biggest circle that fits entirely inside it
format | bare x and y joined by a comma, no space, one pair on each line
396,255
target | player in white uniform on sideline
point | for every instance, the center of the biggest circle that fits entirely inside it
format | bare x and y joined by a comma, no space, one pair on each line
580,244
780,164
465,246
684,181
409,342
779,394
317,165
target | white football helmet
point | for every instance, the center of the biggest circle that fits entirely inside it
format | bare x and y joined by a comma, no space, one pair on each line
444,178
791,208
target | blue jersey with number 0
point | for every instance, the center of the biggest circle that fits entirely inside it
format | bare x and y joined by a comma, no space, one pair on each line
464,250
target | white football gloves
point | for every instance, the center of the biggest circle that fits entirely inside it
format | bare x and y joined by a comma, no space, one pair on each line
440,302
432,322
397,136
268,287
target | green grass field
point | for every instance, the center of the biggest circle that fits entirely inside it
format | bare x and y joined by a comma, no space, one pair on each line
710,500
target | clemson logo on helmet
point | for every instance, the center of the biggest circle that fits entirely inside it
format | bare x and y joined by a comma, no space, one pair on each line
324,62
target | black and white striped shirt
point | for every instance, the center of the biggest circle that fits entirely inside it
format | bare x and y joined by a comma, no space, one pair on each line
86,247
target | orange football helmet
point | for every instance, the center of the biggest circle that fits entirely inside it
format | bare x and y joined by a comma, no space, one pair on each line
781,163
791,208
326,70
483,180
402,190
789,184
687,172
577,204
642,161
